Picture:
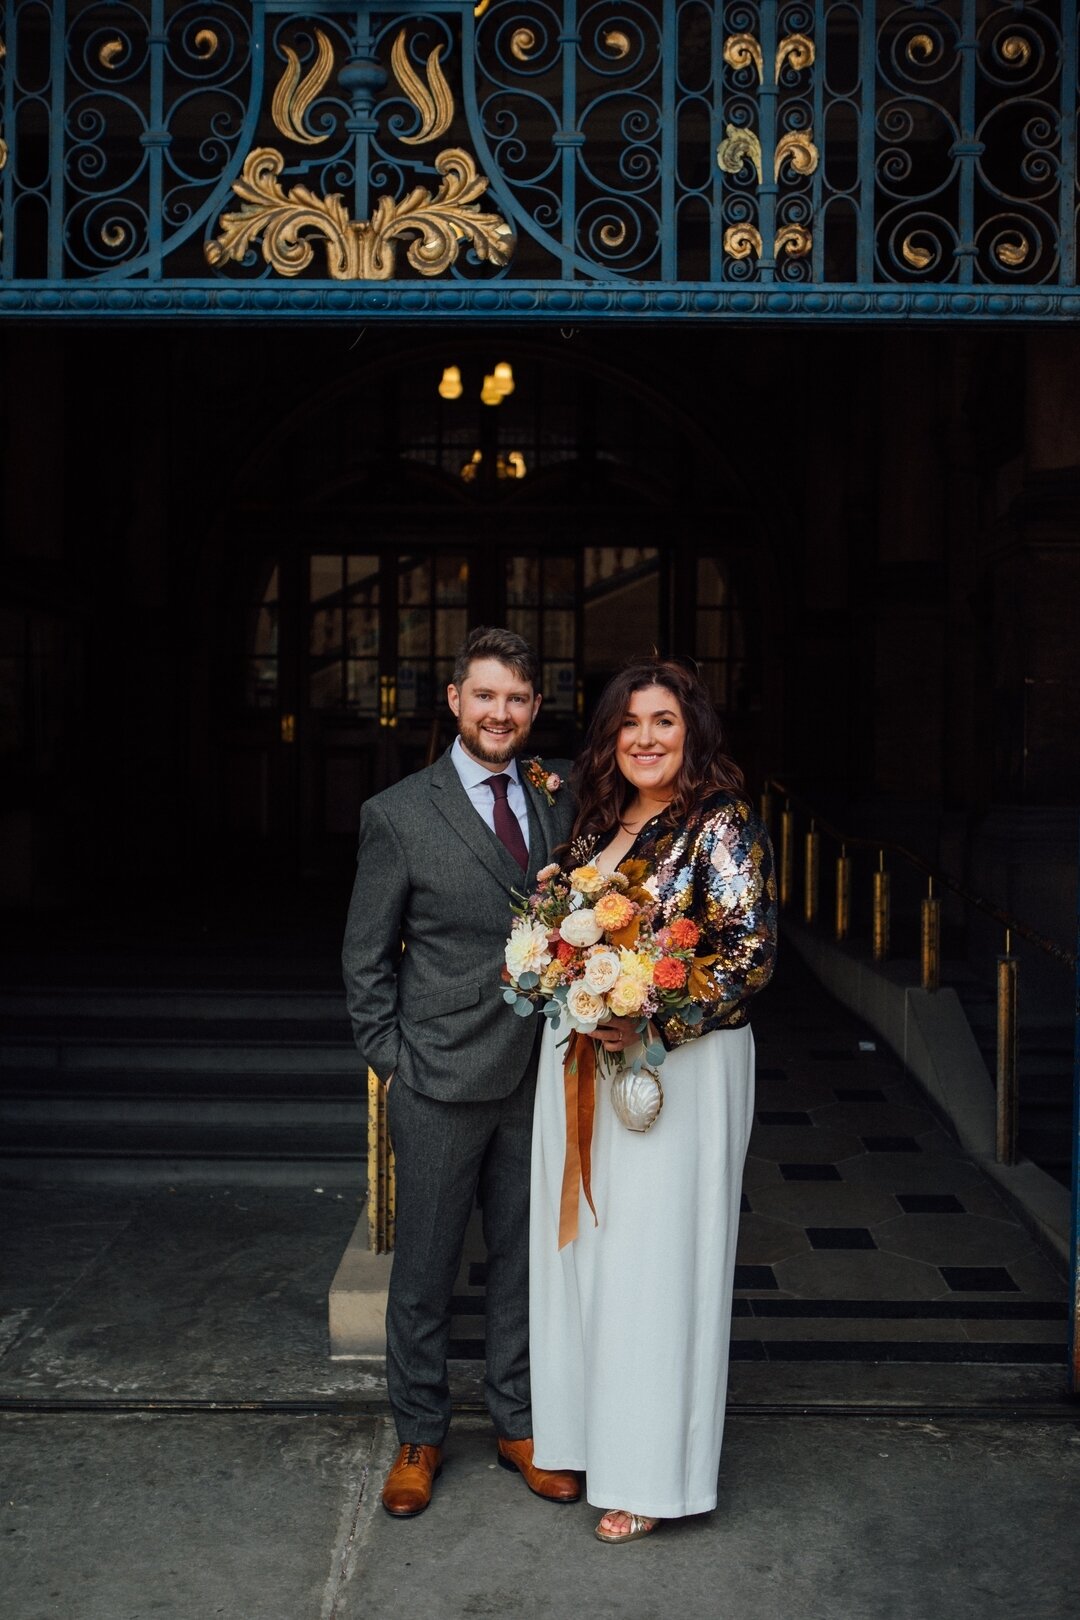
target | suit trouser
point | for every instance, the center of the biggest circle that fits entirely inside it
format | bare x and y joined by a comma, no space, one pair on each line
445,1153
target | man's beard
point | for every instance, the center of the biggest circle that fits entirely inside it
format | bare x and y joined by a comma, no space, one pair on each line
480,747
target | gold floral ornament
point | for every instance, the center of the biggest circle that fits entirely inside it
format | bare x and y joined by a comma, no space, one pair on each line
297,90
617,42
921,47
1012,250
738,147
742,51
1016,50
794,240
916,254
206,43
742,240
361,250
433,101
798,149
110,53
522,43
796,51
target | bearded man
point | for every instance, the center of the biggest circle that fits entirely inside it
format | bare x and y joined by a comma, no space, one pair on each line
441,855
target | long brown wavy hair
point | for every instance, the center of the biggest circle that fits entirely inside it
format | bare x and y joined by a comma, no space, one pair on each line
603,793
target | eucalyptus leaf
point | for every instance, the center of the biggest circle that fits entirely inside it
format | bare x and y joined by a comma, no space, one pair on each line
692,1014
655,1053
528,981
522,1007
510,996
552,1009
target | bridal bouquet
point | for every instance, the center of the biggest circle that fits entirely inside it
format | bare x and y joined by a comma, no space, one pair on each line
586,948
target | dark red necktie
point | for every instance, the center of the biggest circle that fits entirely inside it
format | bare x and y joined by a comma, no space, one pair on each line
507,826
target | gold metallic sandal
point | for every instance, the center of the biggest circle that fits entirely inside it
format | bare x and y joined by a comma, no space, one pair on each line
639,1526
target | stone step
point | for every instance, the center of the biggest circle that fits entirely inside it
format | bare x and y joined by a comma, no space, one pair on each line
88,1001
316,1083
212,1053
306,1141
256,1114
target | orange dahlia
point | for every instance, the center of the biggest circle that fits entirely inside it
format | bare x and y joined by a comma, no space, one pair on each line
669,973
613,911
684,934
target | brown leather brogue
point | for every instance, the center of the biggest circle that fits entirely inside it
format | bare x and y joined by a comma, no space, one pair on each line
545,1482
411,1479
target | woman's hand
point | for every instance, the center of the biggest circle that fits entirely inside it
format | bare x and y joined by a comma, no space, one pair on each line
616,1034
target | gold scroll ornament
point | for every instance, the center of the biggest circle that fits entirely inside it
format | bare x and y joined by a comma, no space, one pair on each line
361,250
433,101
297,90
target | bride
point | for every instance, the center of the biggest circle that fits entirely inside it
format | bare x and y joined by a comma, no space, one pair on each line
630,1322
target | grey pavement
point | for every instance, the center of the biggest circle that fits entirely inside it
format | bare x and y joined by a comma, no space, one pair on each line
177,1445
269,1517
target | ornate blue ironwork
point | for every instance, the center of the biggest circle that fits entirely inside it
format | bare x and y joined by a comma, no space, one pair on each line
545,158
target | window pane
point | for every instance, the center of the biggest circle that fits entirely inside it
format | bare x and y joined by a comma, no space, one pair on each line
363,631
559,635
558,688
715,678
524,623
711,582
522,581
415,688
324,687
267,582
451,581
262,683
414,583
559,582
325,632
414,632
262,634
361,569
450,627
362,685
712,633
325,578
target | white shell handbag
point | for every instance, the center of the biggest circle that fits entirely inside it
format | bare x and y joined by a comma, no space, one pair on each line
637,1097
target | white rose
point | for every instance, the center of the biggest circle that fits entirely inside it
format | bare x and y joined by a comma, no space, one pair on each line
601,971
584,1009
581,928
527,949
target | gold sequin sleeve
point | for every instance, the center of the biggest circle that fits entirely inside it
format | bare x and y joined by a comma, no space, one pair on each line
719,873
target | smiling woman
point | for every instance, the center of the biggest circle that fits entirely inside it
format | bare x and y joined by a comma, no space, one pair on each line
643,1277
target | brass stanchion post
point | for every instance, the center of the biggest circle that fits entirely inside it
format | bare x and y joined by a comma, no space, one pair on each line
810,884
931,941
843,893
881,919
1008,1047
787,856
381,1197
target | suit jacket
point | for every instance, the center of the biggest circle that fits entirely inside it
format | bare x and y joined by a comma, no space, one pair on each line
430,875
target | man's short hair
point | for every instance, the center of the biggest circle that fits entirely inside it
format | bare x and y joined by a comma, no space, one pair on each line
506,646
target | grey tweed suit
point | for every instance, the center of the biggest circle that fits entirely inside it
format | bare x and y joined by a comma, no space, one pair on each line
433,877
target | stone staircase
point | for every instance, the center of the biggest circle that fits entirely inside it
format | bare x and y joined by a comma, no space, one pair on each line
180,1084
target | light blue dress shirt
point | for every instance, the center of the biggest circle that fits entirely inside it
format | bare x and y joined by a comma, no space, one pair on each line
474,781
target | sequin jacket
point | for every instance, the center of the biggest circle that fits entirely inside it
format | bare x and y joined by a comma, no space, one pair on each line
718,872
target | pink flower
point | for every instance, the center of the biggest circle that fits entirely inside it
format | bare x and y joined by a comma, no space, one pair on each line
554,783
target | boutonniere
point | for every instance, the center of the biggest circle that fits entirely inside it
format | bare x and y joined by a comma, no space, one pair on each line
543,780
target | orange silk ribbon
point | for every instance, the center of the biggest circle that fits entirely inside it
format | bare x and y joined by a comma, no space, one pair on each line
579,1079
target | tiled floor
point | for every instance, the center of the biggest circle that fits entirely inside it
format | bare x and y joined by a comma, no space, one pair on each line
866,1234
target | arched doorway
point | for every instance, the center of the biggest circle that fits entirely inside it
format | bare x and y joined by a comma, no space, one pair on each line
389,513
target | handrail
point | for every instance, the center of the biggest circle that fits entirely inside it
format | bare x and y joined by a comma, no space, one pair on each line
970,898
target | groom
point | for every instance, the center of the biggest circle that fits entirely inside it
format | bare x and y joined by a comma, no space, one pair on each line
441,854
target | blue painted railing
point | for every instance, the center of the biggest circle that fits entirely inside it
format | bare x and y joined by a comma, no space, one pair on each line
558,158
